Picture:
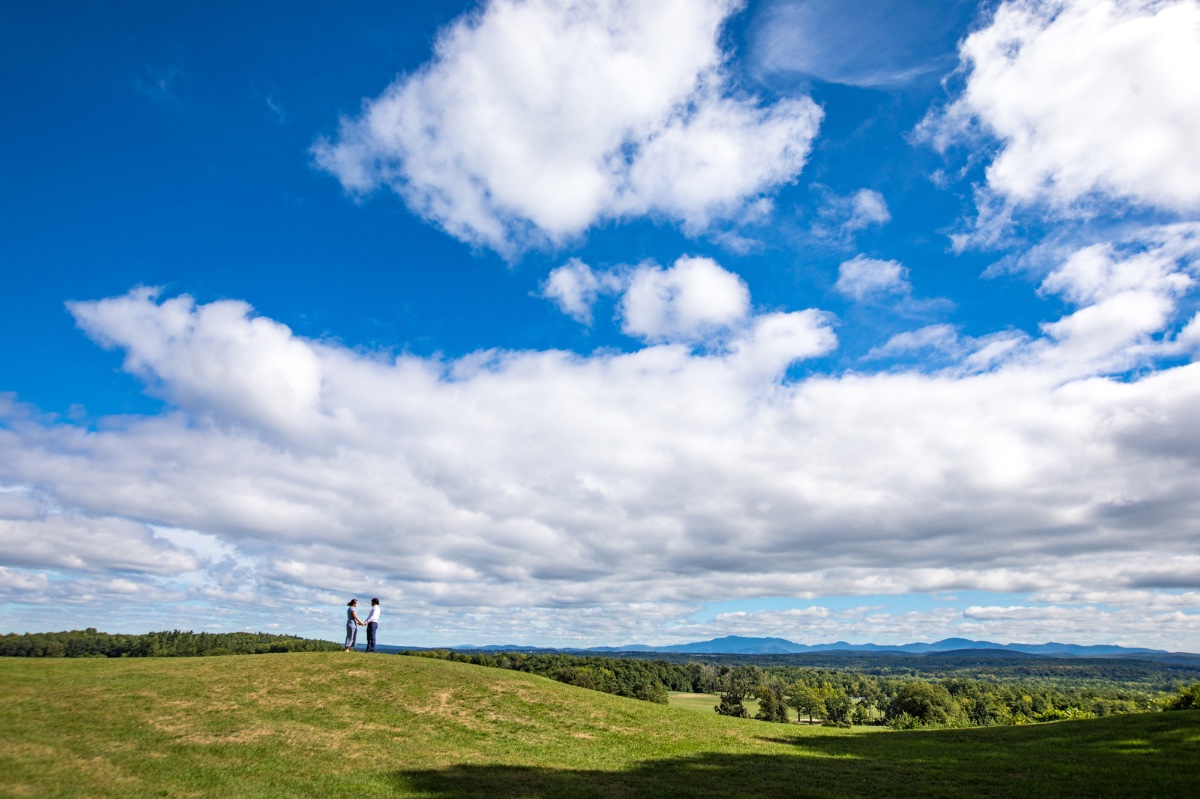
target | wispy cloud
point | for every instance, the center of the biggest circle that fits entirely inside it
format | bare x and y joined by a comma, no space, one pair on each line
873,43
839,217
158,85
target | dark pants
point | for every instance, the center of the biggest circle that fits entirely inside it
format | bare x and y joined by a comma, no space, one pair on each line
372,629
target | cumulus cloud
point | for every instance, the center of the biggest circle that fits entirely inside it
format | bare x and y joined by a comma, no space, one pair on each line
1086,98
573,287
536,119
214,359
34,533
544,491
691,300
862,278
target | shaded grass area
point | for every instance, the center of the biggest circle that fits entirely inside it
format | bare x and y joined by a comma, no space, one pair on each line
327,725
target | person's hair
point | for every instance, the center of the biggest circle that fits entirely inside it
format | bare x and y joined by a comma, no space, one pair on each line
374,601
352,602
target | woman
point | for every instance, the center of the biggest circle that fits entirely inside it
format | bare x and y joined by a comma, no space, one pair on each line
353,622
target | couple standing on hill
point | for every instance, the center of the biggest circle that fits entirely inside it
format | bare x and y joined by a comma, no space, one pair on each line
353,622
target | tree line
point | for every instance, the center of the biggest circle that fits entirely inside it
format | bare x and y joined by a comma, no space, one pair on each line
844,698
649,680
92,644
835,697
984,665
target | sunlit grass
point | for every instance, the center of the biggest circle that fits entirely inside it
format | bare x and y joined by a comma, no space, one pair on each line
326,725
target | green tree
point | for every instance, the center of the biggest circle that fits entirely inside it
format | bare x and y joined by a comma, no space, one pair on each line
1188,699
651,692
931,705
838,707
771,706
739,683
806,701
731,705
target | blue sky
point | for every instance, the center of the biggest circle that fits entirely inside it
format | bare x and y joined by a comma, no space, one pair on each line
606,323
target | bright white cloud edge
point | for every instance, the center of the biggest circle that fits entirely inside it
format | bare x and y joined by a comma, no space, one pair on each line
607,109
1092,103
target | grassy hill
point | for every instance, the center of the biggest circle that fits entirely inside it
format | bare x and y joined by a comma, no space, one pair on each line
335,724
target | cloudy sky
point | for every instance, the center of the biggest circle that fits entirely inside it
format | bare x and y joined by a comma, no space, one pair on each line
603,321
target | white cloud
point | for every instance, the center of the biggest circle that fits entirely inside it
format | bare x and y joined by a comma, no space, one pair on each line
869,208
536,119
691,300
938,338
573,287
1139,618
876,43
863,278
1086,97
536,492
1189,337
840,217
695,301
1127,294
34,533
213,359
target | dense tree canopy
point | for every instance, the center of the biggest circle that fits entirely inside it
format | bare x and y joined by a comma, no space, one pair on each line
90,643
834,696
928,703
1188,699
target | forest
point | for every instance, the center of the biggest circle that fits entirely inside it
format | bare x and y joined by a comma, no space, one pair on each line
842,697
1145,674
92,644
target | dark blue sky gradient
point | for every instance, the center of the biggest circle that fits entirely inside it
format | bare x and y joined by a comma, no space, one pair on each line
168,145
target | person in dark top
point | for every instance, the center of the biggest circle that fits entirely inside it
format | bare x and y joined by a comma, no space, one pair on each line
353,622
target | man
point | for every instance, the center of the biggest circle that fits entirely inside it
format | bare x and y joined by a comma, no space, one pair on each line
372,625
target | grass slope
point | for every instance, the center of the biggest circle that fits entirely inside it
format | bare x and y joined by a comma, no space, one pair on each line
328,725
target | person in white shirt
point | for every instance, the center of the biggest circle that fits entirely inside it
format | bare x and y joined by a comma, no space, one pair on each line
372,625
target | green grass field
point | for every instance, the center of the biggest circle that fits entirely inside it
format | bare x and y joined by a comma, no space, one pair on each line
331,725
706,702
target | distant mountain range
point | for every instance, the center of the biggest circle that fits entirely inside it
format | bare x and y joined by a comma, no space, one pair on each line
739,645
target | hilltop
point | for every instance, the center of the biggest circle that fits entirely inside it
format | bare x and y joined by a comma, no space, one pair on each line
325,725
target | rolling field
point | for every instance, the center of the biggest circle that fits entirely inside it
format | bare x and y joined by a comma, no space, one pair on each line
706,702
332,724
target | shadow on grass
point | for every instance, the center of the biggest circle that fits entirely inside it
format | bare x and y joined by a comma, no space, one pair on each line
1155,756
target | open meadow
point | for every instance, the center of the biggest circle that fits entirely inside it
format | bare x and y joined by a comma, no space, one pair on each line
704,703
335,724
